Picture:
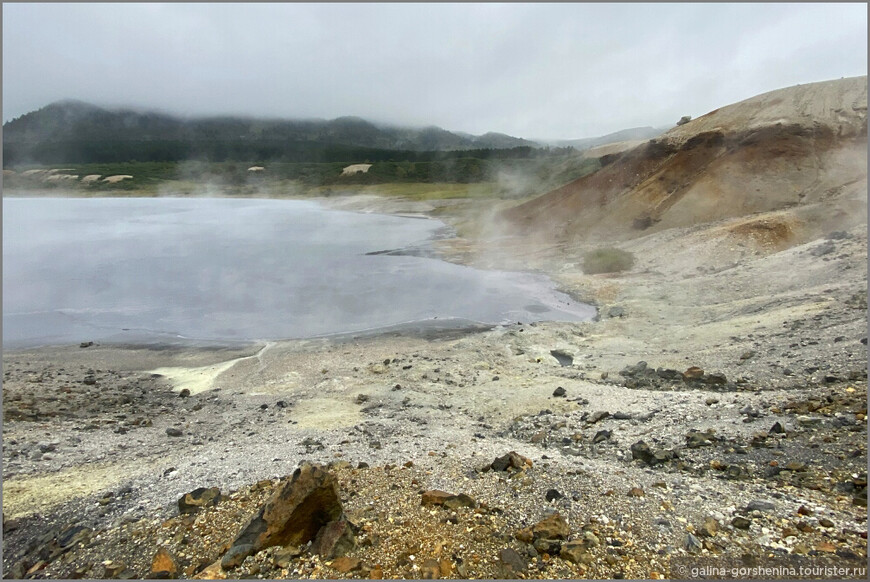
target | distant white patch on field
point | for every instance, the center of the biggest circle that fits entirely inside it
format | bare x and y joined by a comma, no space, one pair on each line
256,169
91,178
117,178
356,169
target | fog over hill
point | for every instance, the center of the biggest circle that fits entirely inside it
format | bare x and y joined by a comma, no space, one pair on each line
73,130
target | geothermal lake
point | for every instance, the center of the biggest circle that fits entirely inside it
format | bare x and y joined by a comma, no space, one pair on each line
155,270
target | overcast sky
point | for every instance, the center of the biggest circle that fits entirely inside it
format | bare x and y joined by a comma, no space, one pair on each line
529,70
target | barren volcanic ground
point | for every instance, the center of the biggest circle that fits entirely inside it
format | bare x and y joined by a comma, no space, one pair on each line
714,415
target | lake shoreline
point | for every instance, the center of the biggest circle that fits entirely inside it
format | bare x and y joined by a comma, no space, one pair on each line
778,337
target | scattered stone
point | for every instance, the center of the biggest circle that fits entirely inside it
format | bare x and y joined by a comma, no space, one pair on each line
235,556
710,527
777,428
174,432
184,393
631,371
596,416
553,495
551,528
695,440
636,492
86,344
197,499
693,373
448,500
559,392
344,564
283,557
601,436
692,544
576,552
510,564
512,460
435,497
164,564
461,500
294,515
640,450
335,539
741,522
711,401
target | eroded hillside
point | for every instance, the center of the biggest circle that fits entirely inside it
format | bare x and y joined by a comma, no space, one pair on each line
802,148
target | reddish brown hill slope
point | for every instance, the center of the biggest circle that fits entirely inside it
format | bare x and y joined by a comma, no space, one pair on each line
795,147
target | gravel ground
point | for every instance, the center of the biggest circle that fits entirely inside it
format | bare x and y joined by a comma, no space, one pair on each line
100,442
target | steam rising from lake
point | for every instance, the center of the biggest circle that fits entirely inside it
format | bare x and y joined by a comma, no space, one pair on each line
226,270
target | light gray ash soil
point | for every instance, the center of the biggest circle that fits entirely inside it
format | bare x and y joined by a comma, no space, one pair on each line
769,440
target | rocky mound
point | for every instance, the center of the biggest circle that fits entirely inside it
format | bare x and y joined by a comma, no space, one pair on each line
802,147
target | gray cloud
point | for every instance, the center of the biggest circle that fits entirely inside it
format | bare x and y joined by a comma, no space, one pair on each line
531,70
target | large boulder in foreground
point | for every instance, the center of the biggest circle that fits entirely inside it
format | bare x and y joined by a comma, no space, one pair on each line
293,516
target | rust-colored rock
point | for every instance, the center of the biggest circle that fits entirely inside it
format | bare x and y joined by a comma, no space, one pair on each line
164,564
213,571
198,498
293,516
512,460
551,528
345,564
435,497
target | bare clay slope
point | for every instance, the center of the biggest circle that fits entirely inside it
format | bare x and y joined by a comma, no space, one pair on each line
802,148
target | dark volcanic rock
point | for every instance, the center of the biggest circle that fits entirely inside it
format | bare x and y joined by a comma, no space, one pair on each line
198,498
559,392
334,539
777,428
641,450
294,514
553,495
632,371
510,564
512,460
